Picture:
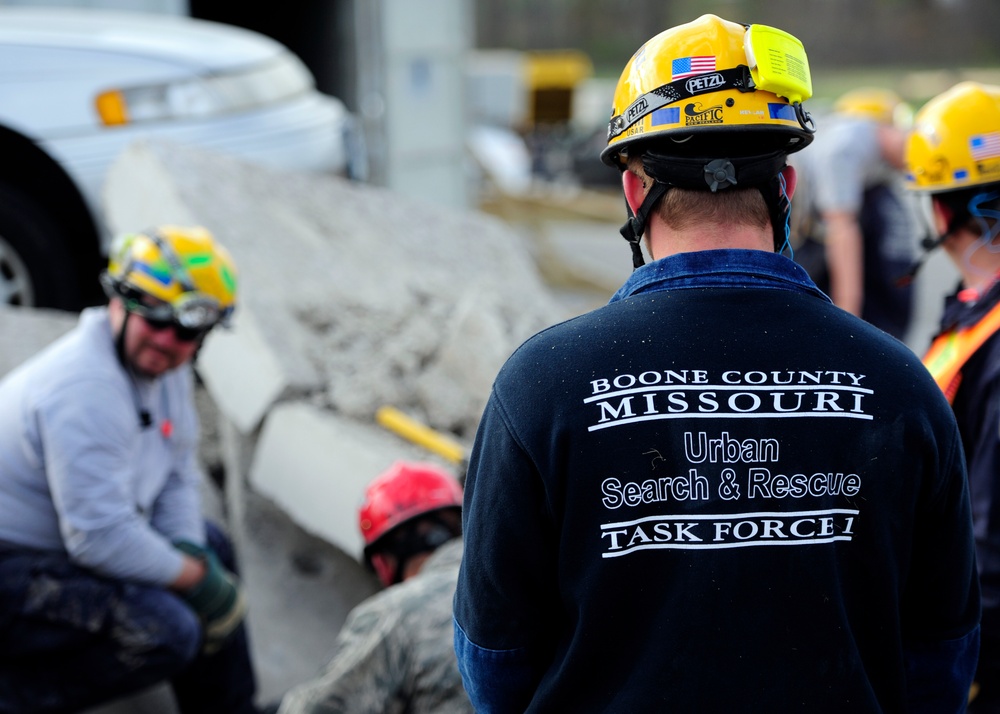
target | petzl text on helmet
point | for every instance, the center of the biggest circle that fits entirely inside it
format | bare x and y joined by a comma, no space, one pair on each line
776,62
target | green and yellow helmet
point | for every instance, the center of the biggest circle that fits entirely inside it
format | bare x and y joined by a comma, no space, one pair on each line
711,78
191,278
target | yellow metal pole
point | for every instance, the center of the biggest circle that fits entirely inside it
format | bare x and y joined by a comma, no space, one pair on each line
412,430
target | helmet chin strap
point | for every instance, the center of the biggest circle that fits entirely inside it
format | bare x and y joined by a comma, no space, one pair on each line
955,220
928,244
760,172
635,226
145,418
120,340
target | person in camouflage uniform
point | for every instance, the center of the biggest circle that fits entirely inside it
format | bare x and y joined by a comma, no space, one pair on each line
394,652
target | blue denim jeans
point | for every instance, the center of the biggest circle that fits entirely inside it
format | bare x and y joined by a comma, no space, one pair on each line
70,640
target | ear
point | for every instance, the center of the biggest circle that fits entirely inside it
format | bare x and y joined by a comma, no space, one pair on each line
385,568
942,216
116,314
634,190
791,180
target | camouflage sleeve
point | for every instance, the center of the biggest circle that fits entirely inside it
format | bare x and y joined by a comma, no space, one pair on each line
368,670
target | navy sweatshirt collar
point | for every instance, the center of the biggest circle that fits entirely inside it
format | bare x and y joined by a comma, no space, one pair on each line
719,269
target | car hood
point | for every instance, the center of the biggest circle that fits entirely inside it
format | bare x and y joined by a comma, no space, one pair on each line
182,40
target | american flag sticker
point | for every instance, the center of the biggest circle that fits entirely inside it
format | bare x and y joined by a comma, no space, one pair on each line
690,66
985,146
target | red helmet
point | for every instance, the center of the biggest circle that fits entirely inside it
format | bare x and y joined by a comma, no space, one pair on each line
405,490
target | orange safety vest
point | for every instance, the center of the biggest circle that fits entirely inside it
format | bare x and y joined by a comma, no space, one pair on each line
950,351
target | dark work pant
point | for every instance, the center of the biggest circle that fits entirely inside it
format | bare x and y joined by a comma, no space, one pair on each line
887,256
887,305
71,640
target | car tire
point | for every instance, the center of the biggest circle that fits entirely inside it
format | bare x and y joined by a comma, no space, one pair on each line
36,265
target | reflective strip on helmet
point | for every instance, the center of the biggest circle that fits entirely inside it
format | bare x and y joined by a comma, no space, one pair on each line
180,273
734,78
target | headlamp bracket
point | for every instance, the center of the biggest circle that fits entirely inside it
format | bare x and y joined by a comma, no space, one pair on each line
720,173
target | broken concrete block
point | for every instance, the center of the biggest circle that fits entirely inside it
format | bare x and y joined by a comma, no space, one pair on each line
242,373
316,466
355,291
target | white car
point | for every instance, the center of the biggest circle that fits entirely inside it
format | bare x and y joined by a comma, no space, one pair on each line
78,85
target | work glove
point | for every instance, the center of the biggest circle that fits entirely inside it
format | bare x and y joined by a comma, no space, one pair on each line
217,598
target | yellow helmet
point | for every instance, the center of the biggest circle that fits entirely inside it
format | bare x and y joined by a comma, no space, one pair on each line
880,105
955,141
708,78
192,277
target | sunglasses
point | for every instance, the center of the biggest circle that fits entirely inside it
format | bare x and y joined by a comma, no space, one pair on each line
182,333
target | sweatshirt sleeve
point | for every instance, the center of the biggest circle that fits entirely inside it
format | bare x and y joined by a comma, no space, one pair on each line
88,441
939,674
177,512
507,582
941,608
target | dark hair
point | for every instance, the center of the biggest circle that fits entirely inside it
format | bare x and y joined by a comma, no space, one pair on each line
422,534
960,203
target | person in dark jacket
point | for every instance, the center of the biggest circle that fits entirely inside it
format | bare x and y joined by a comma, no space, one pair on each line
853,225
954,161
719,492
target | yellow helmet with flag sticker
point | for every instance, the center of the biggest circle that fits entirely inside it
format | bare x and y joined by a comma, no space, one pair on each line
709,78
190,278
955,141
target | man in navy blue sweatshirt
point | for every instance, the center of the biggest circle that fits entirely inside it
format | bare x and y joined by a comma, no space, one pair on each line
719,492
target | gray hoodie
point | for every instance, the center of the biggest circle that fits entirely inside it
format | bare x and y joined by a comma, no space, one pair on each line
80,472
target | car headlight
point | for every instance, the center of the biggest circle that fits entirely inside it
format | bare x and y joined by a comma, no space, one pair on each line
207,95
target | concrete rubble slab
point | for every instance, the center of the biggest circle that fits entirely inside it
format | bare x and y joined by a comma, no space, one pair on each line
245,377
322,452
